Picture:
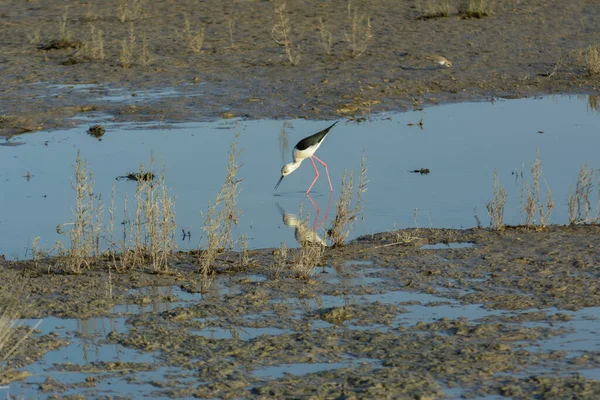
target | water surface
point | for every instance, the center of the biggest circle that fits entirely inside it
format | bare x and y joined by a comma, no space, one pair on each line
460,144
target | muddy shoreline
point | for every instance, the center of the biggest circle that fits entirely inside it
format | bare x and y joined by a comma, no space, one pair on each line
523,49
516,252
526,287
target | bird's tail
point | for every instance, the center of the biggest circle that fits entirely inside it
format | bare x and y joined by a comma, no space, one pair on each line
332,125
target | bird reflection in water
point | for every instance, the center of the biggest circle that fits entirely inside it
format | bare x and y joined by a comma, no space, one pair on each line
303,231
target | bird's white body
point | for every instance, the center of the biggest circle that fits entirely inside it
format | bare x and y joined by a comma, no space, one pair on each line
301,155
298,156
306,148
443,61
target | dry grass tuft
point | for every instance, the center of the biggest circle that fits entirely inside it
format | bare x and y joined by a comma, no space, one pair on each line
146,57
34,37
346,215
282,32
12,334
312,249
244,254
95,47
194,40
407,236
580,206
91,15
495,206
85,229
360,32
220,217
157,225
130,10
63,26
127,47
148,238
309,257
590,59
230,28
475,8
537,214
326,38
281,257
433,8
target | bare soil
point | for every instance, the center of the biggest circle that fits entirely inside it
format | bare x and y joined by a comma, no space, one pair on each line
524,48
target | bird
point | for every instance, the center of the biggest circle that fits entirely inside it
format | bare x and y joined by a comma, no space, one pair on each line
441,60
304,149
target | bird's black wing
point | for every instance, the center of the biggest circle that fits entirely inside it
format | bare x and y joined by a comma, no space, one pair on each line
314,139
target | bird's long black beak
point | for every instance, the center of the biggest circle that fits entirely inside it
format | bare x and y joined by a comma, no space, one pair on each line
278,182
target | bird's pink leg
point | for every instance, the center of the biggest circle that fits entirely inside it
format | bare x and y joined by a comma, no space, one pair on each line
316,177
326,170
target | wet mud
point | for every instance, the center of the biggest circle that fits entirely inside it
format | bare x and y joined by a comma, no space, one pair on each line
386,316
54,76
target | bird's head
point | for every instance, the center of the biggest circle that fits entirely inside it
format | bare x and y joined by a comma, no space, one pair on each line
286,170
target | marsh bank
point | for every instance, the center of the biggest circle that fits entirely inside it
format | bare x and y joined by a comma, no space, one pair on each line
523,49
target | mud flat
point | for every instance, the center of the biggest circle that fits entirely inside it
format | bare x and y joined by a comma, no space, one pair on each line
448,313
55,64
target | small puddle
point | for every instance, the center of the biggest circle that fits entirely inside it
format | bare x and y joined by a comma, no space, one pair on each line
297,369
85,346
592,373
420,307
103,93
91,327
112,385
349,275
164,298
239,333
583,331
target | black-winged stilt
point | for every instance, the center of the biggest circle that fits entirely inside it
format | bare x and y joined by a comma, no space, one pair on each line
304,149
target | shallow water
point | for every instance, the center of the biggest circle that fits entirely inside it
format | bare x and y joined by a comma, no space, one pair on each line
88,349
102,93
85,347
278,371
461,144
